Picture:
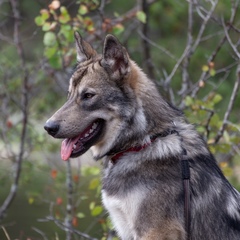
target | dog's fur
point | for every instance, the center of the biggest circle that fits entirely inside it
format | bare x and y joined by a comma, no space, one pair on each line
143,190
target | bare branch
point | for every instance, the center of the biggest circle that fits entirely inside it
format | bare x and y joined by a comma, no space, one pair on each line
6,39
203,26
64,227
211,58
162,49
41,233
70,207
169,78
230,41
145,44
207,125
230,106
6,233
185,77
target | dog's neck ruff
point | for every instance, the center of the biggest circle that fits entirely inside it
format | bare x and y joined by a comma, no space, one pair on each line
117,156
184,168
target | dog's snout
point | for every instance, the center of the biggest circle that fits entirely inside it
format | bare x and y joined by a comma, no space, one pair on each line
51,127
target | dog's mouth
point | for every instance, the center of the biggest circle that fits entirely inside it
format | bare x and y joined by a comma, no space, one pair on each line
76,146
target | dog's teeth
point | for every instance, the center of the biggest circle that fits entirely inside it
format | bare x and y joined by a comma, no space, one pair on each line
74,146
86,135
94,126
91,130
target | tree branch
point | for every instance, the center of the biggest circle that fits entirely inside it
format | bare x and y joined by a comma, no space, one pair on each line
185,76
230,106
70,207
230,41
64,227
145,44
212,57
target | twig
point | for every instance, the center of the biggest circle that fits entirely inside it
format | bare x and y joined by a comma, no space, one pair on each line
145,44
40,232
6,39
69,210
162,49
169,78
6,233
189,50
185,76
211,58
230,41
211,113
203,26
64,227
230,106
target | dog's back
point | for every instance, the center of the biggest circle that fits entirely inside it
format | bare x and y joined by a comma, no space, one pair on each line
115,110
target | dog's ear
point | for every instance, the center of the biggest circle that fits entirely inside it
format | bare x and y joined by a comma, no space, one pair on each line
115,58
84,49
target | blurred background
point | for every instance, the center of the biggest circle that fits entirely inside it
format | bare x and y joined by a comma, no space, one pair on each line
191,49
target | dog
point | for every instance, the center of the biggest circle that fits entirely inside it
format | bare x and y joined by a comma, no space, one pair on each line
115,110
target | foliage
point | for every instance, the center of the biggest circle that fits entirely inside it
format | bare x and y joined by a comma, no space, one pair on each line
59,26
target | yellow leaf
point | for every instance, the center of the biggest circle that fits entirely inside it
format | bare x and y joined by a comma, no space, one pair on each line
211,141
205,68
31,200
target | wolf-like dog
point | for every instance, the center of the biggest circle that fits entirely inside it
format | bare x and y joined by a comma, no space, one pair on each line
115,110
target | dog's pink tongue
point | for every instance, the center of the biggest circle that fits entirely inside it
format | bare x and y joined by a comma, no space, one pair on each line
66,148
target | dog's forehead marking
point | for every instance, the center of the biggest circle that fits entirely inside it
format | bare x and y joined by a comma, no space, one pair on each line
83,69
78,75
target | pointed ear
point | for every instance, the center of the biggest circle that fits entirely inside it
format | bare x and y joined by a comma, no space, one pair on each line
84,49
115,58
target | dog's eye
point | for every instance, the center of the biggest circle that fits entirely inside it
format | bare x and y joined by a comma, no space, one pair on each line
88,95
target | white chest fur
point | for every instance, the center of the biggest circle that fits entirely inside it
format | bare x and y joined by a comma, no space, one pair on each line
123,211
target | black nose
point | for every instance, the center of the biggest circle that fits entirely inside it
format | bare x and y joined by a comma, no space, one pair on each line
51,127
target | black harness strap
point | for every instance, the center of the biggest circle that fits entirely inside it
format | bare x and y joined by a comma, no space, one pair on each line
186,186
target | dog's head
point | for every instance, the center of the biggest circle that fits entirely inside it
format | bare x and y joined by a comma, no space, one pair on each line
101,109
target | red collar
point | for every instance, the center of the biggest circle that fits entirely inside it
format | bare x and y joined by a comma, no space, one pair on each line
117,156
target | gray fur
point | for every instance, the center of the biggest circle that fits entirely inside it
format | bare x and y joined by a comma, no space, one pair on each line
143,190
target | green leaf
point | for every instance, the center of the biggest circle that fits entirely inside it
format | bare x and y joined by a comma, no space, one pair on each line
46,26
215,121
50,51
39,20
188,101
49,39
64,17
63,10
80,215
67,32
226,137
227,171
44,14
55,62
94,183
82,9
118,29
97,210
141,16
217,98
91,205
212,72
